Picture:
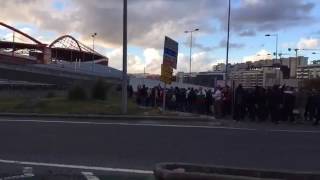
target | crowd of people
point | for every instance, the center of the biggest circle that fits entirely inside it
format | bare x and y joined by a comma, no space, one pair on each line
279,103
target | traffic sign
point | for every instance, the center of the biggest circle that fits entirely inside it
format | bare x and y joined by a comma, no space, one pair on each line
166,70
170,52
166,73
166,80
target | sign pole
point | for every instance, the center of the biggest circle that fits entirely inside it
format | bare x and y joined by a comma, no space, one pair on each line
164,97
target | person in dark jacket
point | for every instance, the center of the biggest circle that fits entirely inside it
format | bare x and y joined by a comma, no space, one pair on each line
317,108
310,109
239,104
288,104
275,104
251,104
209,101
261,104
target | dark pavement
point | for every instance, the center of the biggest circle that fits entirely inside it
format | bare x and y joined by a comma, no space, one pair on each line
142,146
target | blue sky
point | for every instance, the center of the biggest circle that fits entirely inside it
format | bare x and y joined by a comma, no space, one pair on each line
295,21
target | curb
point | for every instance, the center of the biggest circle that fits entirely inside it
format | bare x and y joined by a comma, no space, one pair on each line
178,171
108,117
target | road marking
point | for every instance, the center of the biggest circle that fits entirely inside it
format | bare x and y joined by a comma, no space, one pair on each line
27,172
90,176
131,124
82,167
163,125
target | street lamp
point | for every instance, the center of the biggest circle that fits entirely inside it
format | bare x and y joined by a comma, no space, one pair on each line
228,43
124,56
277,39
93,36
191,32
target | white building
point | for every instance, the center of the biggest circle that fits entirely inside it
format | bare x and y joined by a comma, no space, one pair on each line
264,77
308,72
221,67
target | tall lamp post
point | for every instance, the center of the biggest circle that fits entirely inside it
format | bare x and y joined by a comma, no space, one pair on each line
93,37
228,43
124,63
277,40
191,32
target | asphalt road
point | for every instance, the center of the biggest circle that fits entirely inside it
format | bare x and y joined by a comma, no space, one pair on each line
141,146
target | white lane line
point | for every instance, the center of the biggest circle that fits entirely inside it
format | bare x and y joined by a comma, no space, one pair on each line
163,125
89,176
131,124
82,167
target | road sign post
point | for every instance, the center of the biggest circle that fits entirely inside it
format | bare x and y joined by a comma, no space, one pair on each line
164,98
170,57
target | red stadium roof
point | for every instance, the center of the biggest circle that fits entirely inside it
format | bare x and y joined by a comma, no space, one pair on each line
65,48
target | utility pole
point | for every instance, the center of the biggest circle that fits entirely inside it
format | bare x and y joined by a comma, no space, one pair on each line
228,43
124,64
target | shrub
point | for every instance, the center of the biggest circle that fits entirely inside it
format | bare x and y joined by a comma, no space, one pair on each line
99,90
77,93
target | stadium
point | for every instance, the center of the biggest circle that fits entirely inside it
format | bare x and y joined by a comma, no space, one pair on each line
65,60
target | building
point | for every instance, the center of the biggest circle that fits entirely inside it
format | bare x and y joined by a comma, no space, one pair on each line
221,67
308,72
265,77
207,79
293,63
290,63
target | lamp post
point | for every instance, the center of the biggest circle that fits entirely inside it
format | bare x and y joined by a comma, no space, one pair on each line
93,37
191,32
277,39
124,63
228,42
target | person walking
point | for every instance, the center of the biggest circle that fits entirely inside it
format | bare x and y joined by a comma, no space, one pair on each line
218,102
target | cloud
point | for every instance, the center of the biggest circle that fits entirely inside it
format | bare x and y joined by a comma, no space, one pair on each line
148,21
262,54
135,64
201,61
223,44
153,60
199,46
246,33
308,43
267,15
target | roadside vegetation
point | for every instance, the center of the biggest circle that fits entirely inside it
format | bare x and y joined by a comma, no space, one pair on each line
101,98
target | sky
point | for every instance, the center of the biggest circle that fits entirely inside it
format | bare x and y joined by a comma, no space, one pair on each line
149,21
